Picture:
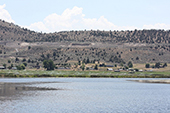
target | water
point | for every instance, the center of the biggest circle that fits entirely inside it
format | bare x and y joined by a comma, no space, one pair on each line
86,95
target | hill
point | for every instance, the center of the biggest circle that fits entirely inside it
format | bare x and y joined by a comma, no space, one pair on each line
11,32
19,45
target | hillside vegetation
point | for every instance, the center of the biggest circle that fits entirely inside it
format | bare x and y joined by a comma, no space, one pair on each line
68,48
11,32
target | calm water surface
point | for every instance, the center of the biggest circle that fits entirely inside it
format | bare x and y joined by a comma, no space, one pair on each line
83,95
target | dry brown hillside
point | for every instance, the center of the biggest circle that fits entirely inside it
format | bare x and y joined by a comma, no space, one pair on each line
11,32
19,45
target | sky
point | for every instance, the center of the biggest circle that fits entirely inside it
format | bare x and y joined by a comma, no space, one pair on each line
66,15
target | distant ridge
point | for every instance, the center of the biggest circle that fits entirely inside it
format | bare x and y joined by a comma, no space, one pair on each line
12,32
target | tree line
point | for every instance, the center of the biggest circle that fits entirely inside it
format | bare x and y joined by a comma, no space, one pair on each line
156,65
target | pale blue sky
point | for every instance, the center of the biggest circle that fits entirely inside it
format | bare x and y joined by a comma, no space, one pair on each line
100,14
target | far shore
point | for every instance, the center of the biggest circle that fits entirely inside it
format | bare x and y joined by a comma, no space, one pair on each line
81,74
152,81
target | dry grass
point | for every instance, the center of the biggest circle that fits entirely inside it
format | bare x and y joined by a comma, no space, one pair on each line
139,66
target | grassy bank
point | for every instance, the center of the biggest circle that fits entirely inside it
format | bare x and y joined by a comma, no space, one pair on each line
93,74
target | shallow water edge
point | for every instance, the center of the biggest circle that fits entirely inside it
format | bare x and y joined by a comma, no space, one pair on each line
152,81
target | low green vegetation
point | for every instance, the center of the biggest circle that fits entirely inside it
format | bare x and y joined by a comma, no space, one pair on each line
21,67
49,65
130,64
147,66
93,74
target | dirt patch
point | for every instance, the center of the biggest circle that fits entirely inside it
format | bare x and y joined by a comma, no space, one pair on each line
24,44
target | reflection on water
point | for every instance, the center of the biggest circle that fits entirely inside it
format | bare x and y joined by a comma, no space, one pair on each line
8,90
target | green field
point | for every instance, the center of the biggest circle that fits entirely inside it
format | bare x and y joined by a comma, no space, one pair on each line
40,73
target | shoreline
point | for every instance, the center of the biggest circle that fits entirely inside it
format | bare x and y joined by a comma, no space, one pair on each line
152,81
84,76
81,74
